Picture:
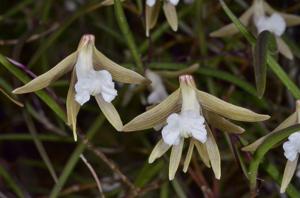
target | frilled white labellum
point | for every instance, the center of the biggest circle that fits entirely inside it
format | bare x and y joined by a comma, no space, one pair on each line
184,125
190,122
292,146
158,90
91,82
275,24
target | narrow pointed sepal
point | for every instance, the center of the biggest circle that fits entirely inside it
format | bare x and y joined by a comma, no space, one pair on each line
47,78
108,2
118,72
288,174
291,120
171,15
231,29
284,49
230,111
110,113
223,124
175,157
156,115
151,15
202,151
188,156
72,106
160,148
213,153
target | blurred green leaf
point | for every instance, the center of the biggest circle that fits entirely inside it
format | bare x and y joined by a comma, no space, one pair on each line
10,182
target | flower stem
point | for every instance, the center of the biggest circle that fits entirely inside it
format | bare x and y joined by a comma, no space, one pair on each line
122,21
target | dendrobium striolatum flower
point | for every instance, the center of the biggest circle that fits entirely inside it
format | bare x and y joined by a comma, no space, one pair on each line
93,74
291,147
187,114
264,17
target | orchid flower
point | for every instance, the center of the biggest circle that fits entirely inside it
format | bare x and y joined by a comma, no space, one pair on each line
291,147
92,75
187,114
264,17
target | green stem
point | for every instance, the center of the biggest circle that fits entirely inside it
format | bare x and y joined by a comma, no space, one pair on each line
119,12
27,137
268,144
74,158
10,182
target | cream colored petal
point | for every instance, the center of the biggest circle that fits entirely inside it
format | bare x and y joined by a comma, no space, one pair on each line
155,115
171,15
231,29
213,153
72,106
201,148
160,148
108,2
188,156
291,120
151,14
118,72
169,74
47,78
175,157
110,113
290,19
284,49
289,171
222,123
230,111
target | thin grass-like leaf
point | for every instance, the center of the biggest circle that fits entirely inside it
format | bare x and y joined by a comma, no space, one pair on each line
260,61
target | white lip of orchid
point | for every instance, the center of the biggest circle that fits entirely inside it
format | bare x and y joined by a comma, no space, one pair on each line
158,90
151,3
275,24
292,147
89,81
190,122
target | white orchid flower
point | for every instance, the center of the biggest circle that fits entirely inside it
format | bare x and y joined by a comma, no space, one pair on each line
264,17
92,75
187,114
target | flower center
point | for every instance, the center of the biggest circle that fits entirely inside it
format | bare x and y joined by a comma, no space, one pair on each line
91,82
